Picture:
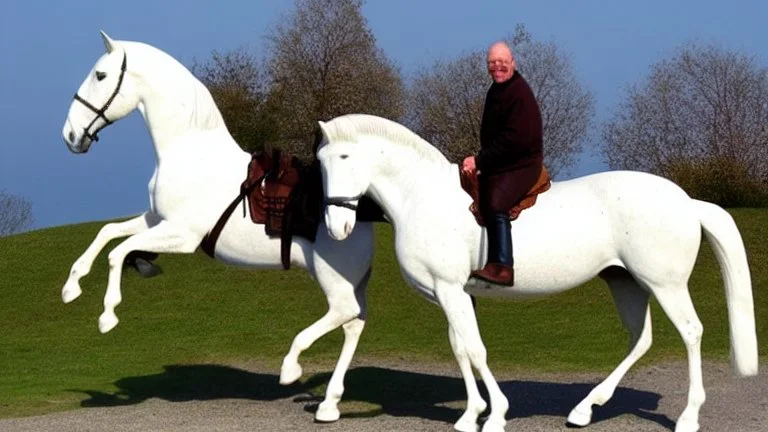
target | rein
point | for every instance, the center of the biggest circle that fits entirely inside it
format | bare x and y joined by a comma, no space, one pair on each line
101,113
346,202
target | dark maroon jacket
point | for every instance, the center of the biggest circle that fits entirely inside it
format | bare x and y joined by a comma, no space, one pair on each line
511,129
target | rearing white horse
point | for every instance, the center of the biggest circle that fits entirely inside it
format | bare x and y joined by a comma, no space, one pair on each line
639,232
199,171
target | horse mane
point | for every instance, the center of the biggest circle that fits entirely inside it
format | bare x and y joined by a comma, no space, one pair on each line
350,127
204,113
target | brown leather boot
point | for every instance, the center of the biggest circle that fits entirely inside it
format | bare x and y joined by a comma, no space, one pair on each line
496,273
498,270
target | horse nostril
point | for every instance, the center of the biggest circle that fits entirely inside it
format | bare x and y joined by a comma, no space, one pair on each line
71,136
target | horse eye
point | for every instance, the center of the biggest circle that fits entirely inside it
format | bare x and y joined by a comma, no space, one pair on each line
344,156
101,75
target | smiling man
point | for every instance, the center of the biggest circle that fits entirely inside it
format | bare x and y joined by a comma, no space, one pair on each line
510,158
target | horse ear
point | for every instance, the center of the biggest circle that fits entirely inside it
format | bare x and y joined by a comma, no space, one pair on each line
323,130
109,44
320,132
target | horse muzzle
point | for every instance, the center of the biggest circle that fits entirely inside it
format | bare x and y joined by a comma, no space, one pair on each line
339,226
77,143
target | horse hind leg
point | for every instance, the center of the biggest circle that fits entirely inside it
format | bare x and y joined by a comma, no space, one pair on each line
328,410
343,306
632,303
335,317
676,302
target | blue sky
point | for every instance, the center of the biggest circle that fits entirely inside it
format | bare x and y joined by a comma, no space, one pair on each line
47,47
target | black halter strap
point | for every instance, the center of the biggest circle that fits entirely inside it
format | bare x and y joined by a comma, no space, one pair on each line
100,113
345,202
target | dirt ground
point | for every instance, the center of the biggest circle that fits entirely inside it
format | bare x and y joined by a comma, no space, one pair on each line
402,397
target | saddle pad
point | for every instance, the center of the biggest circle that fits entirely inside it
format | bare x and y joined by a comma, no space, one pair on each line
471,185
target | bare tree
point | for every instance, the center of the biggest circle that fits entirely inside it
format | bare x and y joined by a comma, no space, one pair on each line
567,107
446,104
446,101
700,119
237,82
15,214
325,63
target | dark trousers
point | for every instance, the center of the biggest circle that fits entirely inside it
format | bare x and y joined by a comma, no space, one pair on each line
501,191
498,193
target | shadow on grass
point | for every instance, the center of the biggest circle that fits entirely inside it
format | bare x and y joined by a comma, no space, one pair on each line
397,393
180,383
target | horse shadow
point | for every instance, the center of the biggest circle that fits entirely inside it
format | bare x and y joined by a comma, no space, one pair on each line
397,392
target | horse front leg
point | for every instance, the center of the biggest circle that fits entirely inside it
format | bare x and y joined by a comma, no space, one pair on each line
457,306
162,238
82,266
475,403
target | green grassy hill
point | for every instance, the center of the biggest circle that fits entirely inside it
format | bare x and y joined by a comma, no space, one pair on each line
202,311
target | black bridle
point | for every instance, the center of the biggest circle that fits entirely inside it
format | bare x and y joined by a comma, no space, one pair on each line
100,113
345,202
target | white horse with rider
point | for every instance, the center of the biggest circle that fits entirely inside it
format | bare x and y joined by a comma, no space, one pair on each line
638,232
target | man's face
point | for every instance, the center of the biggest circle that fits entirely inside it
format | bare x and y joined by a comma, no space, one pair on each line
501,65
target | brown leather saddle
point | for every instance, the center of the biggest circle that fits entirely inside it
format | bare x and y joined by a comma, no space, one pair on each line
471,185
283,194
270,183
286,196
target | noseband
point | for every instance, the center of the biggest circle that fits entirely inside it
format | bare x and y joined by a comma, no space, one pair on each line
100,113
345,202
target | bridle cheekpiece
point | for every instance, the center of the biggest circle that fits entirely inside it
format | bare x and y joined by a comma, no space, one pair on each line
101,113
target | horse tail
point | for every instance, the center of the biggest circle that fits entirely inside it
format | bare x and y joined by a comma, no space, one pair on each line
726,241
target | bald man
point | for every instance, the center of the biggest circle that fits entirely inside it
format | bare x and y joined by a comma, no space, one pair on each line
509,161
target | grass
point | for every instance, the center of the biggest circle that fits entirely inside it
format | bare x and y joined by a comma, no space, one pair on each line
186,326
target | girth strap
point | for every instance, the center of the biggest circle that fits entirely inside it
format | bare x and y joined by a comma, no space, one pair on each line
208,245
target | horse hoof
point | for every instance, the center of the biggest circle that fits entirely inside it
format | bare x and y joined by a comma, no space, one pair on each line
687,426
290,374
147,269
107,322
491,426
70,292
326,414
579,418
464,425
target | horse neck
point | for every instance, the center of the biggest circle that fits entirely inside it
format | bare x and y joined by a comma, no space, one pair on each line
172,101
403,178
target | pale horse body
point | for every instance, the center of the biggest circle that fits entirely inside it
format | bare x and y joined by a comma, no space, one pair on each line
199,171
639,232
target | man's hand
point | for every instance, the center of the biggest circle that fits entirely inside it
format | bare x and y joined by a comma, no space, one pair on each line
468,166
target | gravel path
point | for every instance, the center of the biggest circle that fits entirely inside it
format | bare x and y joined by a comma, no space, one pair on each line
402,397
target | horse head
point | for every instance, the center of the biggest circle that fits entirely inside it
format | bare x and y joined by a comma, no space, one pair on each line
105,96
346,176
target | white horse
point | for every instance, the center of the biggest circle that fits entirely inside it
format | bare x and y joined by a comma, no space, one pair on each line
199,171
639,232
